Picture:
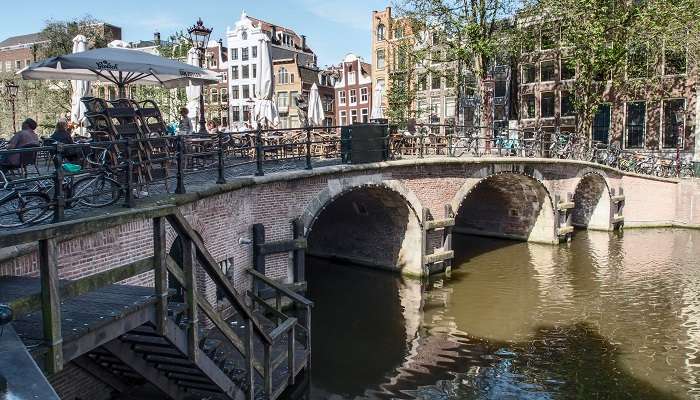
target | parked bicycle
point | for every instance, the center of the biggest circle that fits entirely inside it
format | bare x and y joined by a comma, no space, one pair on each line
23,204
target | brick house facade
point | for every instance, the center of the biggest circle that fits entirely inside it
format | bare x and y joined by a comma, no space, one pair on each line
353,91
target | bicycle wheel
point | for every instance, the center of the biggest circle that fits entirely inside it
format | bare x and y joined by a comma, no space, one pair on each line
23,209
96,191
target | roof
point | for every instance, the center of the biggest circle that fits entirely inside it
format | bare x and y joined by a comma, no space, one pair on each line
22,40
283,53
267,28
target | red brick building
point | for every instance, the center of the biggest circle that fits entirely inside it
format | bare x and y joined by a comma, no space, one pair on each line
353,90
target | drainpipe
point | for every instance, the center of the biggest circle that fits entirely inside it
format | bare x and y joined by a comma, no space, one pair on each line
696,153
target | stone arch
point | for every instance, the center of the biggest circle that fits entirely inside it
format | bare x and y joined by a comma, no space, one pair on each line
592,201
508,204
375,223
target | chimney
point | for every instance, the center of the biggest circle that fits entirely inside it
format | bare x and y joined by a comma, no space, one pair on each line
303,42
156,38
221,43
274,34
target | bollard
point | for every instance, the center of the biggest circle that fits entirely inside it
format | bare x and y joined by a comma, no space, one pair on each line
308,148
221,179
129,175
259,153
180,189
58,195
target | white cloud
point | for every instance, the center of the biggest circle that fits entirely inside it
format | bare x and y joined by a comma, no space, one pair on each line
341,12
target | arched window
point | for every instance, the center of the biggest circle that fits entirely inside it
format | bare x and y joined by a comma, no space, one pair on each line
381,32
283,76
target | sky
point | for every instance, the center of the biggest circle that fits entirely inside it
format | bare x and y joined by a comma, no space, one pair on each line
333,27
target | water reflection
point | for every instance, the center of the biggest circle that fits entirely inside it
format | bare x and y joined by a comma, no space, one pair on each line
605,316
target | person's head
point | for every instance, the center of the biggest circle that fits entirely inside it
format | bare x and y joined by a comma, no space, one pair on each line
61,124
210,125
29,124
184,111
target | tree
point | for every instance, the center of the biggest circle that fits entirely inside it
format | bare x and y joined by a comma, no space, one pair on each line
466,34
609,42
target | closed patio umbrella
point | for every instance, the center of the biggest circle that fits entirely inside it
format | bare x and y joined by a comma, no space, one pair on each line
265,110
316,114
193,91
80,88
121,67
377,111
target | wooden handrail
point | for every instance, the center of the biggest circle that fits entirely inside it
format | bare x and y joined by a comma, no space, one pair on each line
283,328
280,288
211,268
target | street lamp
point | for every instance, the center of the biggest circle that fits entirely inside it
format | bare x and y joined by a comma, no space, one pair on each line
11,90
680,119
199,37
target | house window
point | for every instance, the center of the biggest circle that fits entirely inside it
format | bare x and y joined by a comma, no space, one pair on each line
8,66
672,126
450,82
27,63
381,32
234,92
423,82
351,76
601,124
283,100
246,113
674,60
341,98
353,97
235,113
547,105
255,70
234,54
364,95
398,32
500,85
529,106
244,54
283,76
567,106
353,116
246,91
568,69
435,81
381,59
214,93
245,73
635,123
234,72
549,38
529,73
365,115
547,71
450,107
254,52
205,94
18,64
343,118
638,61
224,95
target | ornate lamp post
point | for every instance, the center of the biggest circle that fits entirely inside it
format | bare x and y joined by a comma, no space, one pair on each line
11,90
199,37
680,118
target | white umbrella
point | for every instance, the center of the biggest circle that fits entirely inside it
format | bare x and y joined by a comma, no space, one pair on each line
193,91
377,112
316,114
265,110
80,88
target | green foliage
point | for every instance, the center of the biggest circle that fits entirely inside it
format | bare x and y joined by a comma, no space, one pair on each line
59,35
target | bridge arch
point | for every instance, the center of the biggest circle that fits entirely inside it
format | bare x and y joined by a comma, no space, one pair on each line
507,204
592,202
374,223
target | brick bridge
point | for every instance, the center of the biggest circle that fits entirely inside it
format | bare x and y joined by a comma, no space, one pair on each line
397,215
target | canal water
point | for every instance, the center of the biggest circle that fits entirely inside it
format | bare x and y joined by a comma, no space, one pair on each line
607,316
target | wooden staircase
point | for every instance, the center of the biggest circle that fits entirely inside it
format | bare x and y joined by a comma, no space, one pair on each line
186,348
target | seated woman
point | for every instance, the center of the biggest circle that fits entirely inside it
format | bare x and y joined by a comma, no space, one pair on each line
62,134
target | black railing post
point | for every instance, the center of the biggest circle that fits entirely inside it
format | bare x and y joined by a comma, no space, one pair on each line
421,144
180,189
450,151
58,195
129,175
221,179
308,148
259,153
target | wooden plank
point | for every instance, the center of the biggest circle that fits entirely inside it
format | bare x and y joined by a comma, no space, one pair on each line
51,304
277,286
258,254
250,368
160,258
79,227
439,256
266,305
281,246
439,223
267,375
91,367
566,205
291,345
189,262
283,327
212,269
72,289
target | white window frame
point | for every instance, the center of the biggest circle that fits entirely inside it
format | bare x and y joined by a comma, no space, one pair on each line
341,98
364,95
343,118
353,116
364,114
353,97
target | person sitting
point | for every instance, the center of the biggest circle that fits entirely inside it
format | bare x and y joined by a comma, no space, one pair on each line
24,138
185,127
211,128
61,133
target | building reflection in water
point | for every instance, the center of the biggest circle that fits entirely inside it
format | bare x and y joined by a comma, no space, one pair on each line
605,316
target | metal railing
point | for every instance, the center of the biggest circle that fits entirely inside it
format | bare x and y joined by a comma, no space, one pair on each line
45,189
